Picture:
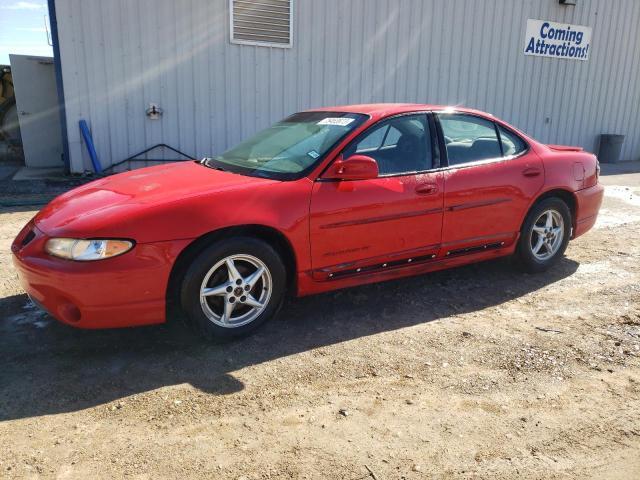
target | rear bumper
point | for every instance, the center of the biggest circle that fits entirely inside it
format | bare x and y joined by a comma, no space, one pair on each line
588,203
123,291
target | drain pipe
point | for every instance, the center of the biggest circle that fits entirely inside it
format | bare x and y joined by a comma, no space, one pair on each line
86,135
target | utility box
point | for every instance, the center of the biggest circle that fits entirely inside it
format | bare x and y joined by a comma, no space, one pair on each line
610,148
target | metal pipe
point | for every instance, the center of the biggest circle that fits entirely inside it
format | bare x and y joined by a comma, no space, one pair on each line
86,134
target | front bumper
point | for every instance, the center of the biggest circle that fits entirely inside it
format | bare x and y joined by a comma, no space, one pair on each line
128,290
588,203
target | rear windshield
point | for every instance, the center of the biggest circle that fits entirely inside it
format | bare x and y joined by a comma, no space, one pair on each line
290,148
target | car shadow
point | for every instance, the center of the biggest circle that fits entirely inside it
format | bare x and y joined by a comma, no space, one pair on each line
50,368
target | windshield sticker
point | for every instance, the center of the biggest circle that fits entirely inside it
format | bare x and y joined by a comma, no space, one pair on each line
313,154
341,122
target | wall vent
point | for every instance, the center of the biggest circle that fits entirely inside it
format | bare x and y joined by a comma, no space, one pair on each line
262,22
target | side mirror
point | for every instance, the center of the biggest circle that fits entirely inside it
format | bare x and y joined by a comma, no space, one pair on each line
356,167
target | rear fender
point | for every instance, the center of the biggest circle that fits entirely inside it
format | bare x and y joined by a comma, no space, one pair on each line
570,170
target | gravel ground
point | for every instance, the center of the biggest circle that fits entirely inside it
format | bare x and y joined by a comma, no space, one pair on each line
477,372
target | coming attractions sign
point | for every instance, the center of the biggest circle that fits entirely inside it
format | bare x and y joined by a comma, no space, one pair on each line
558,40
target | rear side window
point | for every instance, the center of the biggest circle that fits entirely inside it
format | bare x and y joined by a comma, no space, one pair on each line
469,138
511,143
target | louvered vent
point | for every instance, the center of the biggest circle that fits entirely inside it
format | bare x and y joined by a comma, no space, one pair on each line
261,22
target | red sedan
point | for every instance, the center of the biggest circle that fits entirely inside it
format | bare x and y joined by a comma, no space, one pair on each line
324,199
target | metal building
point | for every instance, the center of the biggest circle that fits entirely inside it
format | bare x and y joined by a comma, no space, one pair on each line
200,75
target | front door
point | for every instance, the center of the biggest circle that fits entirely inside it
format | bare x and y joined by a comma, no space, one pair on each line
389,220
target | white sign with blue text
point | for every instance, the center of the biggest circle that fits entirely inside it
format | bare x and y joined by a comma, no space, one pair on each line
557,40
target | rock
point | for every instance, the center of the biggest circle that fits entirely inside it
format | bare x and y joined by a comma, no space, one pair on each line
416,468
408,401
344,412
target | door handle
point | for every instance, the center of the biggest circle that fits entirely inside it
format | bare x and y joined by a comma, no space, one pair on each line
427,189
531,172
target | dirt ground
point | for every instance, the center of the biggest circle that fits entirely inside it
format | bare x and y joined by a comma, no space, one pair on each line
477,372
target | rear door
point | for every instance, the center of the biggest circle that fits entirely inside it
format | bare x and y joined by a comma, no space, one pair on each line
383,222
491,179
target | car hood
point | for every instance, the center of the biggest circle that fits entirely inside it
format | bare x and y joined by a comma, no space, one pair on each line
112,206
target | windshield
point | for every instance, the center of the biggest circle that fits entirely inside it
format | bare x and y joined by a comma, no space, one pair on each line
291,147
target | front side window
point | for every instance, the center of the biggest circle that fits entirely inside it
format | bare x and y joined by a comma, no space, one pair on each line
469,138
399,145
289,148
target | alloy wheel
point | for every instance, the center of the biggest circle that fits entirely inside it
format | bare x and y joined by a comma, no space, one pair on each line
547,234
235,291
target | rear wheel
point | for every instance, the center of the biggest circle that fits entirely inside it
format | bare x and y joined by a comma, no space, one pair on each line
233,287
544,235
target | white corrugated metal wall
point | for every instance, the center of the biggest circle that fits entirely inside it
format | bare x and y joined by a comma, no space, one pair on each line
120,55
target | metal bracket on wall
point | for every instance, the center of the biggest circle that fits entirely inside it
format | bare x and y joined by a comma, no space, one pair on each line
154,112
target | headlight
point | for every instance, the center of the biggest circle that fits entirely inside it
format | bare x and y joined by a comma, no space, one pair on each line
86,250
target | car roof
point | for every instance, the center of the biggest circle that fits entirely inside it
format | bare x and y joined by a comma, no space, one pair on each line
379,111
384,109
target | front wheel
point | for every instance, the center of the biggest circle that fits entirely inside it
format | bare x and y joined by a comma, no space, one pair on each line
233,287
544,236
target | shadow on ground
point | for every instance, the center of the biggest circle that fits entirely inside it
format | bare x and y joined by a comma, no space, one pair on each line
49,368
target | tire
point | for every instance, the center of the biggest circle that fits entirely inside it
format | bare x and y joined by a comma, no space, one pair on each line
221,301
539,246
